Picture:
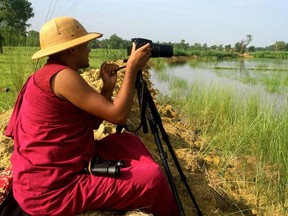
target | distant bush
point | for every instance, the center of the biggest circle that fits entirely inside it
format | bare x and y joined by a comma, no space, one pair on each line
206,54
271,54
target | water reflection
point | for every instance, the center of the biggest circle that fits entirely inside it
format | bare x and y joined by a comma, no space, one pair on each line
246,77
242,67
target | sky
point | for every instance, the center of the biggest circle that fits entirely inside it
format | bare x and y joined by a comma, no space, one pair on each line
214,22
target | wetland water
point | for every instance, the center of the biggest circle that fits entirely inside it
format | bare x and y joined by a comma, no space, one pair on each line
266,78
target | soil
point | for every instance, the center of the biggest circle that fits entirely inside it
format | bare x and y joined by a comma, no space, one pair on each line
202,176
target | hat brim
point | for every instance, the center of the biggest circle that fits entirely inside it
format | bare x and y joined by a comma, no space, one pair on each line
64,46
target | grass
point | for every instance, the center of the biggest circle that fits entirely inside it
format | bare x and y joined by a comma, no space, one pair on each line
16,65
98,56
239,128
270,54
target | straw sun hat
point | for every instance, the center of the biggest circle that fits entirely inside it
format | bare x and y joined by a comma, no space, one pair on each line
62,33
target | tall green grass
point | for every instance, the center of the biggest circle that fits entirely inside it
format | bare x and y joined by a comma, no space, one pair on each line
98,56
16,65
239,128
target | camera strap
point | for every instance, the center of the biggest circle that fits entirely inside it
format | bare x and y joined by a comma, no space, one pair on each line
89,166
142,100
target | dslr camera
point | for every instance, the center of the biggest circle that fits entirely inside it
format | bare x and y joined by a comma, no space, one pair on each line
158,50
109,168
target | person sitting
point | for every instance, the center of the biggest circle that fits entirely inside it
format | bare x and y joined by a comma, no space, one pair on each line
52,127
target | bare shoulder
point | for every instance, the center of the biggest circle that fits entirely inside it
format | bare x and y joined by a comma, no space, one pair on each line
67,75
68,82
70,86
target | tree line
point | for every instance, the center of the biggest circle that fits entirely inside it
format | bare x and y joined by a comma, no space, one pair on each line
14,15
31,38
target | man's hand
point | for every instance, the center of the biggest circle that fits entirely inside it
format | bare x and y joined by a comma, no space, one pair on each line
138,58
108,73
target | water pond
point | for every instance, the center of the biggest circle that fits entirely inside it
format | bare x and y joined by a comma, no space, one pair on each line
267,78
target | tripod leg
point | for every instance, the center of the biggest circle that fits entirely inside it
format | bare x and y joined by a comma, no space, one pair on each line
155,122
163,157
155,117
182,175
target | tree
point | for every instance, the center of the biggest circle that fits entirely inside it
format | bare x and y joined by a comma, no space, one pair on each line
286,47
241,46
197,46
183,45
279,45
252,49
238,47
32,38
228,47
14,15
213,47
115,42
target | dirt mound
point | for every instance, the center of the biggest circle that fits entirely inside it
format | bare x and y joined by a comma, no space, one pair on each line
200,171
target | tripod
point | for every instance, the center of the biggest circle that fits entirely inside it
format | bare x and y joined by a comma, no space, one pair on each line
146,103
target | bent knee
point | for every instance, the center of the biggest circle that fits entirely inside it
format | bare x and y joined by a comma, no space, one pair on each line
156,176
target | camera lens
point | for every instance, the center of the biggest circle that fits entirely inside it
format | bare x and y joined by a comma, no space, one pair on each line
113,171
158,50
162,51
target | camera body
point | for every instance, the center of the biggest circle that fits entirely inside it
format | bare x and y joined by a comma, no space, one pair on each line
158,50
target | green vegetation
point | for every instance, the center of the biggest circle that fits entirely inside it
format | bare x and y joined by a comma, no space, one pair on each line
238,129
207,54
98,56
270,54
15,67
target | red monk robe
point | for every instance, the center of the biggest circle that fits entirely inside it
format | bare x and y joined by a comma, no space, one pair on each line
53,142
